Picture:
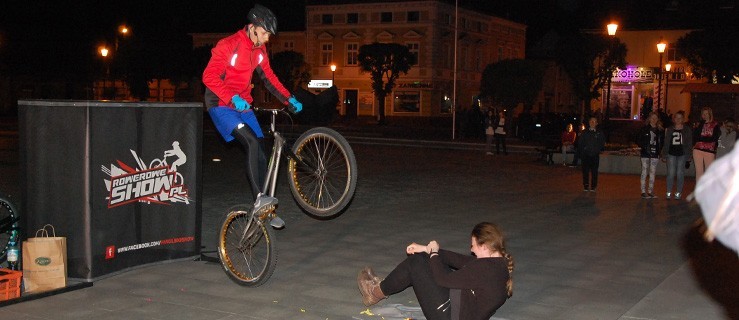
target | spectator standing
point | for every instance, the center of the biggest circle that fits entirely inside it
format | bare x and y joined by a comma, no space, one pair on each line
591,144
489,131
576,158
568,142
677,151
727,139
500,132
706,140
650,140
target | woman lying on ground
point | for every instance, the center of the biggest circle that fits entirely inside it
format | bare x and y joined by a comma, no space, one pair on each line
449,285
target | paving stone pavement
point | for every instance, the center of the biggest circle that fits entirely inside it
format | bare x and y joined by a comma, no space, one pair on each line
579,255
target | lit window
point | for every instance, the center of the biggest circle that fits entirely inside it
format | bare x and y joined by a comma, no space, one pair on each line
407,101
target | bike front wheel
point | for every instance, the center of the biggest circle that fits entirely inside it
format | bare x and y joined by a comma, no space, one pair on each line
324,175
8,227
248,256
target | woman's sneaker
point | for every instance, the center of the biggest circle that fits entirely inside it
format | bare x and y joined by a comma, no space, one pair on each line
669,194
677,195
644,195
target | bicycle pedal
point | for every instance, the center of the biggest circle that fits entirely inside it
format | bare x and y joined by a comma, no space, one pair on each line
277,223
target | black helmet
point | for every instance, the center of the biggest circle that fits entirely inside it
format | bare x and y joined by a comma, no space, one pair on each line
262,17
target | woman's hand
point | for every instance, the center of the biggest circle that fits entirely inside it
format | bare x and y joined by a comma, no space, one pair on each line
414,248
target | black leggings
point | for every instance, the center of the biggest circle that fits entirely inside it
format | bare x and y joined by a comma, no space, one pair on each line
256,162
415,271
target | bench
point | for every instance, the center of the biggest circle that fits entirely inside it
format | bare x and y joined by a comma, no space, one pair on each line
546,154
549,145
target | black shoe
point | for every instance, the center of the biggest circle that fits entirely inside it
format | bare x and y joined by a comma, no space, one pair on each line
592,190
644,195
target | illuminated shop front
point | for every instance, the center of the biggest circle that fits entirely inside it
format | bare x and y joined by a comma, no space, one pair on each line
631,89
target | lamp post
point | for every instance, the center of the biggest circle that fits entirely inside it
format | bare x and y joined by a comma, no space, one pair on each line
661,46
454,73
123,31
667,84
612,27
333,71
104,55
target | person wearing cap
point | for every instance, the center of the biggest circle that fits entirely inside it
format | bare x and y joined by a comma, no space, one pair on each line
228,81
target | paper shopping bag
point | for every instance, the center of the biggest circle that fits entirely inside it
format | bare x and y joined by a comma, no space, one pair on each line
44,261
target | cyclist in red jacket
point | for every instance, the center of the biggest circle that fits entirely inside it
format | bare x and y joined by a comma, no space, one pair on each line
228,90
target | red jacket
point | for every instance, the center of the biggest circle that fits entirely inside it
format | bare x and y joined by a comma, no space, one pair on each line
232,64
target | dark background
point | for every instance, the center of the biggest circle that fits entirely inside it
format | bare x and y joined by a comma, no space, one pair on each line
48,38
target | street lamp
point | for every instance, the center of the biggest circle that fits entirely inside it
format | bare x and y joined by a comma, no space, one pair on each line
661,46
612,27
667,84
333,71
104,53
123,31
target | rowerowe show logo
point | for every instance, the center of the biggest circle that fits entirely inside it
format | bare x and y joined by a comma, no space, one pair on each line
159,182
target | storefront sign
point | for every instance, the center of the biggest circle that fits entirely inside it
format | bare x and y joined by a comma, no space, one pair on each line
633,74
320,84
416,85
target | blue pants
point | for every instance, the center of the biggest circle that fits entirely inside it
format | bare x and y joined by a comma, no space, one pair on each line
675,171
227,119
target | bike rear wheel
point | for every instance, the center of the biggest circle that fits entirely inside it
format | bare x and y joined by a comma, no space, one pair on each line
324,180
8,226
249,257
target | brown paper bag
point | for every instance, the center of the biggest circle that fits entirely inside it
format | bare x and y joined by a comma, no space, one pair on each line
44,261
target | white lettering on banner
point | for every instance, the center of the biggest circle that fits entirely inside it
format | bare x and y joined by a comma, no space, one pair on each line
157,183
157,243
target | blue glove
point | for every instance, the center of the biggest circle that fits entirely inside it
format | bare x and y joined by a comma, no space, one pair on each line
296,105
239,103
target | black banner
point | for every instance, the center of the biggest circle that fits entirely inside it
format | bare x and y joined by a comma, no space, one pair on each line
120,180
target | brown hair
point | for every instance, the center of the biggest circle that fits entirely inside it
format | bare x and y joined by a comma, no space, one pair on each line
489,234
710,112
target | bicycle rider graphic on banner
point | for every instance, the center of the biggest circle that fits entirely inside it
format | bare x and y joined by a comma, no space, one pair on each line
156,183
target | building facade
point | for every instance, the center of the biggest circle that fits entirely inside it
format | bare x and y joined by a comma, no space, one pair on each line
334,34
645,80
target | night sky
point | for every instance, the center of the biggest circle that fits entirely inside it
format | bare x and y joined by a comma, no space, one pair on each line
84,20
68,32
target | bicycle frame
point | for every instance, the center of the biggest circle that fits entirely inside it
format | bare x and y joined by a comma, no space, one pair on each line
270,181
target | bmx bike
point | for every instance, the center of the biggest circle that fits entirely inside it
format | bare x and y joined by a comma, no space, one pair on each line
322,175
8,226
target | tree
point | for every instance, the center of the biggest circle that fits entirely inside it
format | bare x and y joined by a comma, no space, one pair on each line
712,50
384,62
580,54
291,69
510,82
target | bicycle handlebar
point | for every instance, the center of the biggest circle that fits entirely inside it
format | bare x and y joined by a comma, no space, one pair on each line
285,109
274,111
